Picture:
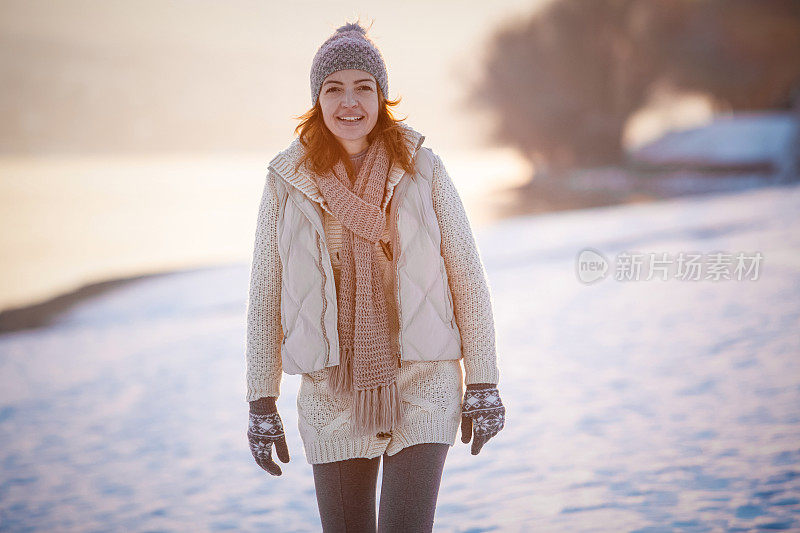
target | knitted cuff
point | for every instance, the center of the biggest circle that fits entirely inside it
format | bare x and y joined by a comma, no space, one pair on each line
478,386
264,405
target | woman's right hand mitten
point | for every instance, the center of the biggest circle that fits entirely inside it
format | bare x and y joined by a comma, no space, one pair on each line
482,413
265,428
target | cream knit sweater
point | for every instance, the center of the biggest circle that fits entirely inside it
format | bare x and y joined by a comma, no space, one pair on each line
431,390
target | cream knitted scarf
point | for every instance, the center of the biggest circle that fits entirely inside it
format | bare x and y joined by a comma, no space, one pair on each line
367,369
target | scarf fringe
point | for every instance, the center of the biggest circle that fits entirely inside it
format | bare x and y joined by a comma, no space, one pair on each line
341,375
373,410
376,410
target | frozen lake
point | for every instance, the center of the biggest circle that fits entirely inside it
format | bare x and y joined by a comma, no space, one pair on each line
641,406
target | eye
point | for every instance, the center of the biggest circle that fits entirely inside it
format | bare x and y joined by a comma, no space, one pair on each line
332,89
367,87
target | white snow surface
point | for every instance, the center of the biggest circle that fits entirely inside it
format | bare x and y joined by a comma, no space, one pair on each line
631,406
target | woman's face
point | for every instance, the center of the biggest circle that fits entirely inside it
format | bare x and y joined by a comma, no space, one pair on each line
350,93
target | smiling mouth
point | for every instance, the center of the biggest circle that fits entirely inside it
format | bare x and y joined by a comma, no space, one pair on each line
350,120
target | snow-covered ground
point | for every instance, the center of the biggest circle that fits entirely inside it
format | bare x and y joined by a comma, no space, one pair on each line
631,406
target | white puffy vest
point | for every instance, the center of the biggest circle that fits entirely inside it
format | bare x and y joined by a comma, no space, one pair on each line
427,326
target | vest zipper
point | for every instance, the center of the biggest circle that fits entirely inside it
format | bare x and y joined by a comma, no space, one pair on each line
394,236
324,296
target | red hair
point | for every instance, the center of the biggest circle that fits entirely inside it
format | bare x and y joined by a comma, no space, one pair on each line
322,150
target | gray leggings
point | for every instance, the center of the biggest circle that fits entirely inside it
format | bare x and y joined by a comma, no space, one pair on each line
409,490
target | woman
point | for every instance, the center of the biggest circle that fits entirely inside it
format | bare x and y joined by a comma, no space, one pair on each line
356,199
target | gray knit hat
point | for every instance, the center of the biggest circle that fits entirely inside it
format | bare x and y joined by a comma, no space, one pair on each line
348,48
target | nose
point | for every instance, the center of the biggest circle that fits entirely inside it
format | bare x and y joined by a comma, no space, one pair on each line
349,98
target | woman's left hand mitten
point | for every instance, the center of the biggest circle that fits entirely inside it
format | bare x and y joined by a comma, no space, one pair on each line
483,412
265,428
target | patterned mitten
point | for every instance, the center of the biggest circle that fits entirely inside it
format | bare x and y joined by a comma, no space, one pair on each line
265,427
482,411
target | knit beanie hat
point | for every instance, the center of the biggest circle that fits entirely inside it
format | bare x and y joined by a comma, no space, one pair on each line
348,48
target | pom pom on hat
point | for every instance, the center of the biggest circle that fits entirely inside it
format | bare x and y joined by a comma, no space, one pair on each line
351,26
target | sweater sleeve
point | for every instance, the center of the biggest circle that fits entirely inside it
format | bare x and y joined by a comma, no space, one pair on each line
264,331
467,279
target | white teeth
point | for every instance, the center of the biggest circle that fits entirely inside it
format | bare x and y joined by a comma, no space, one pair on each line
351,119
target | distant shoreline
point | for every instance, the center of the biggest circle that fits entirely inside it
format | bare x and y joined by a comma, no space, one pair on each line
620,185
42,314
